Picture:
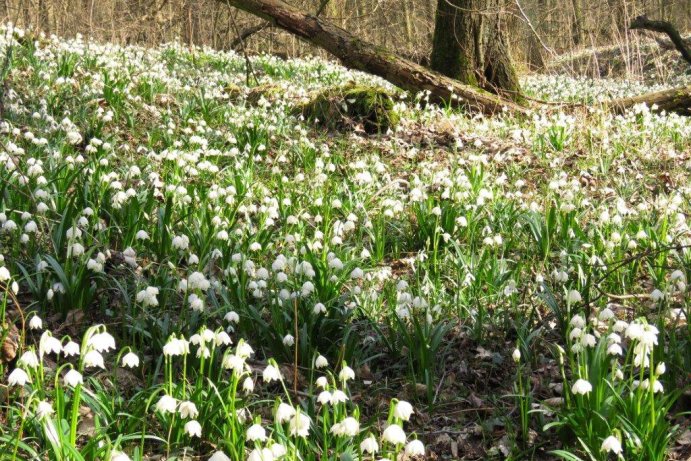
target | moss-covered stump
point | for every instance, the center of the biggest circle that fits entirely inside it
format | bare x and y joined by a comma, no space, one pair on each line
269,92
347,106
233,91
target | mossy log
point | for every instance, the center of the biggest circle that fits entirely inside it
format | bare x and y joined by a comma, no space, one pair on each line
360,55
350,105
675,100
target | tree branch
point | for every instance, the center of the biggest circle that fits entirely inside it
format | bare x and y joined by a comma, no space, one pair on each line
642,22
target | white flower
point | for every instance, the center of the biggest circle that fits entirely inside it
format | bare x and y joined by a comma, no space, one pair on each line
606,314
346,374
321,362
611,444
415,448
394,435
28,360
18,377
232,317
193,428
261,454
71,349
614,349
582,387
188,409
118,456
573,297
324,397
516,355
657,295
299,425
357,273
197,280
196,303
278,450
72,378
222,339
4,274
660,369
271,373
142,235
94,359
349,427
338,396
288,340
166,404
219,456
322,382
577,321
248,385
588,340
147,297
35,323
369,445
102,342
284,412
176,346
235,363
130,360
44,409
403,410
256,433
48,344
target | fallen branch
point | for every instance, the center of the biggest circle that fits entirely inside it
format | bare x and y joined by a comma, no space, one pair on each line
675,100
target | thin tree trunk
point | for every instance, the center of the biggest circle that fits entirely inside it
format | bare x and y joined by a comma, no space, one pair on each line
360,55
577,25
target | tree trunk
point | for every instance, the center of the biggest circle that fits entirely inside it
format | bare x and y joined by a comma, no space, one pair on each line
470,45
675,100
360,55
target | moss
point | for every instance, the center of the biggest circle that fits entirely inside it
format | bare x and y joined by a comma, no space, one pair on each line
346,106
270,92
233,91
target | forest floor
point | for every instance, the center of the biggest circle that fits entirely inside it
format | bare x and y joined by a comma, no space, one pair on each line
192,267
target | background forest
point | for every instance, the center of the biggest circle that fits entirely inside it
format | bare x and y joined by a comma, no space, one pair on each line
538,30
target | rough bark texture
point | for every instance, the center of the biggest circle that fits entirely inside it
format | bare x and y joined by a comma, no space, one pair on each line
642,22
360,55
470,45
675,100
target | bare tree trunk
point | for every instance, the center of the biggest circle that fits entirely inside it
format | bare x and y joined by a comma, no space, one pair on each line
43,16
360,55
4,11
577,25
470,45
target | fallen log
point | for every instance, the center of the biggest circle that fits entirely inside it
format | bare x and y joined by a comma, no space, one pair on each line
643,23
360,55
674,100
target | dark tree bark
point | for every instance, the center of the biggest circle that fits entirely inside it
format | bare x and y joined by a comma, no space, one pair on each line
360,55
470,45
642,22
